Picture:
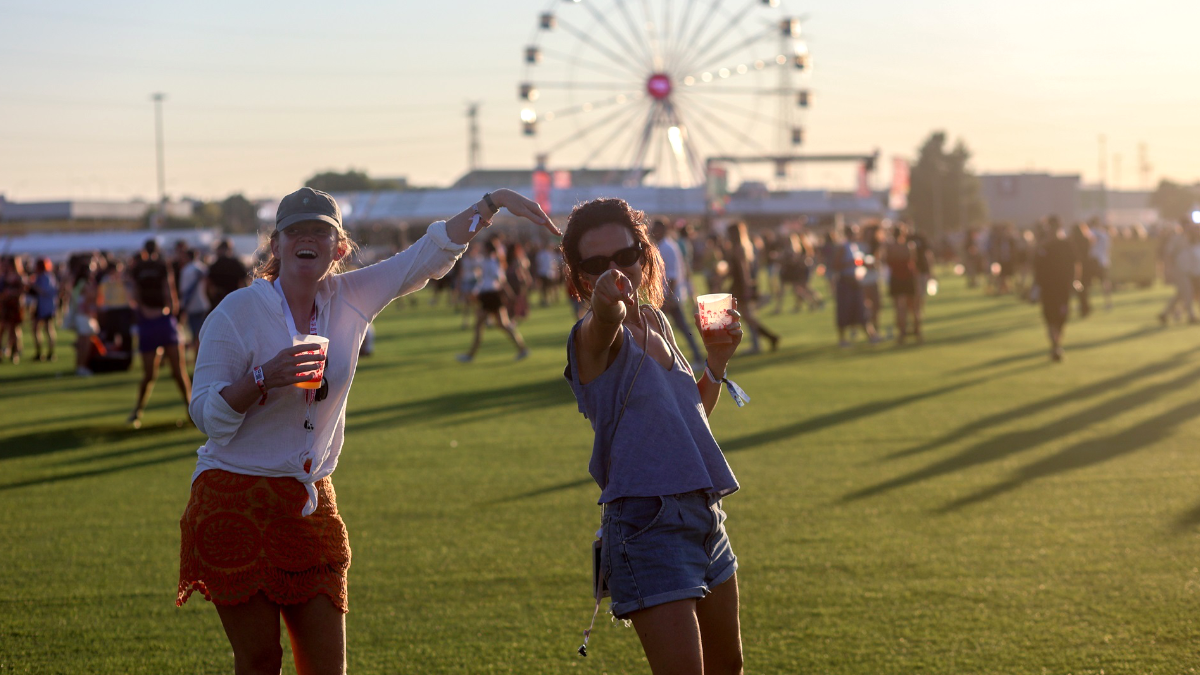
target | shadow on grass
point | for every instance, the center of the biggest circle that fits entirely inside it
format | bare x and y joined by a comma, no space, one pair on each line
1070,347
76,384
482,402
1076,395
550,489
842,417
73,438
1092,452
91,473
1015,442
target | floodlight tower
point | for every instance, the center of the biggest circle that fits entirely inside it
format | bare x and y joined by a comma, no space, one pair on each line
158,98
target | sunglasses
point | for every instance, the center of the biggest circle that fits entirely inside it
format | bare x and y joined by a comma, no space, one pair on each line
626,257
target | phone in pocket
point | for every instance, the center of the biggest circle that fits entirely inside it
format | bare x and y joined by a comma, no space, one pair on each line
599,583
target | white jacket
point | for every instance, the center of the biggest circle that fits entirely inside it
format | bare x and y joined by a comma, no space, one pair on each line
249,328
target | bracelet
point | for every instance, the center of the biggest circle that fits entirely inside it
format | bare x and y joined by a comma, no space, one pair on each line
487,199
262,384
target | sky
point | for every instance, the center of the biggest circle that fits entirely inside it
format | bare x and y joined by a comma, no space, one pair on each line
261,95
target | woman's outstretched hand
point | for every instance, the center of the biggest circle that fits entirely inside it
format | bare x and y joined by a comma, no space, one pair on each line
520,205
613,297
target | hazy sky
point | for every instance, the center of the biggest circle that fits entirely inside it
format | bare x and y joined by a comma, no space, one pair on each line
261,95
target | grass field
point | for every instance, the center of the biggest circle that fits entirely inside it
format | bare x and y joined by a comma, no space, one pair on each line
965,506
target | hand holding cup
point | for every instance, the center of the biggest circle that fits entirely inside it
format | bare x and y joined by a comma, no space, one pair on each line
294,365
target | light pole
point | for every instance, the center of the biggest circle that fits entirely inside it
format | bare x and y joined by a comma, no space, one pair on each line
158,136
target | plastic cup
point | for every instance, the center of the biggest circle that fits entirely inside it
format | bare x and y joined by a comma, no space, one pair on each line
714,316
320,346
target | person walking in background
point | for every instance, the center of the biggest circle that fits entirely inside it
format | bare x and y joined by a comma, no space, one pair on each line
156,306
520,278
468,279
46,293
795,269
1095,268
675,272
900,256
225,275
272,447
870,278
713,264
193,301
1056,269
546,265
1080,238
845,262
81,314
743,285
13,286
665,554
1179,262
491,291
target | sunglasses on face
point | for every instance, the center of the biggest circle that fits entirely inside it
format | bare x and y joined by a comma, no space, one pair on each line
626,257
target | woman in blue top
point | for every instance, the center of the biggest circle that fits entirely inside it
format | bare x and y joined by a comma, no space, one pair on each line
665,554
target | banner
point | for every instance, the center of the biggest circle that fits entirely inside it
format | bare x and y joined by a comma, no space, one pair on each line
717,188
541,190
864,187
898,195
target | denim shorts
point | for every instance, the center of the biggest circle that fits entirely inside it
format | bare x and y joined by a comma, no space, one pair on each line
662,549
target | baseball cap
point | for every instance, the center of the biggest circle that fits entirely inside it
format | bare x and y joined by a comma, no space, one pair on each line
307,204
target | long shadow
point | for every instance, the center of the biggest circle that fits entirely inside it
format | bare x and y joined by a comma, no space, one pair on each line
97,382
1090,452
1006,445
532,395
841,417
38,443
1070,346
550,489
1075,395
98,472
955,316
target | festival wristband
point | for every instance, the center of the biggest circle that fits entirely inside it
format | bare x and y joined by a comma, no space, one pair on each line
739,395
477,218
262,384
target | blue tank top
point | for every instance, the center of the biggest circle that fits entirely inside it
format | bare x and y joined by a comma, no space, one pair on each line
663,444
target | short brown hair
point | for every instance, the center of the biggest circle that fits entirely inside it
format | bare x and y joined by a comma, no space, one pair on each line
590,215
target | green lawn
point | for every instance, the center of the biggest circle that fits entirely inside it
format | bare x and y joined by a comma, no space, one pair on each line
965,506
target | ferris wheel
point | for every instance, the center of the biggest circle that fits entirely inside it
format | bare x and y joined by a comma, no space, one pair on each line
654,87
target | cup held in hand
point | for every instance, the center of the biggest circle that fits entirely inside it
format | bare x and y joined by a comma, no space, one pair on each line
714,316
320,345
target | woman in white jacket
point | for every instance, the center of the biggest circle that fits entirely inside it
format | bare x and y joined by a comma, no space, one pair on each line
261,535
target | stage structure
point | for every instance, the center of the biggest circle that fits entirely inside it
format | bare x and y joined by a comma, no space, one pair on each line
656,86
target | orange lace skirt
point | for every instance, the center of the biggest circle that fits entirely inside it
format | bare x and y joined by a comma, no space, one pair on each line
244,534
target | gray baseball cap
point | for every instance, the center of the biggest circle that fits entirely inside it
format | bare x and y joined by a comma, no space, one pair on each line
307,204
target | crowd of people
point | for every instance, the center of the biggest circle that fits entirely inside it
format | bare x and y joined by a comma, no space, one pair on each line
116,307
273,407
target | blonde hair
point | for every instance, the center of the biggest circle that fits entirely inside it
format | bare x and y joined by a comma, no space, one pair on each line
269,268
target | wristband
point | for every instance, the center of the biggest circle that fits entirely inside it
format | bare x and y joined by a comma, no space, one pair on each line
487,199
739,395
477,218
262,384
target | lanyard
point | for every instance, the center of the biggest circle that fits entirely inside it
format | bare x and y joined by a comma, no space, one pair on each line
310,395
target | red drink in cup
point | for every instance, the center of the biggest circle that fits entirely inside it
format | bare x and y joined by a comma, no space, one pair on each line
715,317
320,346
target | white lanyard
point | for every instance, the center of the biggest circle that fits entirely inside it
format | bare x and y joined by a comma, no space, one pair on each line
310,395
